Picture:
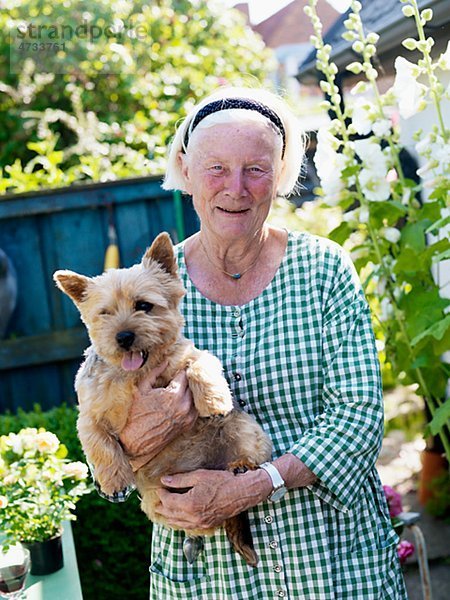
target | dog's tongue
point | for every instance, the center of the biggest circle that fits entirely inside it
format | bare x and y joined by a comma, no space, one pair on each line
132,361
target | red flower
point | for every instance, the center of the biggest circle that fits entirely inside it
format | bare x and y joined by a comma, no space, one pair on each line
405,549
394,501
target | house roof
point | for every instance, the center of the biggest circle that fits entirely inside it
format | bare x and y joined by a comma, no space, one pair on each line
290,25
385,17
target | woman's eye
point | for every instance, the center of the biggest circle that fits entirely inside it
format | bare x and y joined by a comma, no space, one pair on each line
143,305
255,169
217,168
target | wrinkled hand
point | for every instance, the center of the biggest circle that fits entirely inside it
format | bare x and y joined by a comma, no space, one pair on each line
156,417
211,498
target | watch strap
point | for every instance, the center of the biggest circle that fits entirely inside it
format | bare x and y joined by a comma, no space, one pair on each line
274,474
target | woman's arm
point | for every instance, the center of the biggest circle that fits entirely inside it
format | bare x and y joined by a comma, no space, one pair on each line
215,496
157,416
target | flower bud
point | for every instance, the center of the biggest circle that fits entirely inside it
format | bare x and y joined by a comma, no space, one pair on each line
427,14
349,36
391,234
308,11
356,6
355,67
371,74
325,87
358,46
410,44
408,11
373,38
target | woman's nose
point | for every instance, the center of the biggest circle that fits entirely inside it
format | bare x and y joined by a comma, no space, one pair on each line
235,182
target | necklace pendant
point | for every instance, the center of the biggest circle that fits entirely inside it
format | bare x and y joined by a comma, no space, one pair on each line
236,276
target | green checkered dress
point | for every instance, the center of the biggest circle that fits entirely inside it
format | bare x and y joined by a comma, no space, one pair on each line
301,359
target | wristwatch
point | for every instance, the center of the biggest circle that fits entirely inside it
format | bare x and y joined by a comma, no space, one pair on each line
279,486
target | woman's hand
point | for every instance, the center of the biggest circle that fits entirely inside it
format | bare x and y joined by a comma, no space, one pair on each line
203,499
156,417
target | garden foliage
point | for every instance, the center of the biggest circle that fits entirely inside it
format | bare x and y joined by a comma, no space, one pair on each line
112,540
394,236
107,109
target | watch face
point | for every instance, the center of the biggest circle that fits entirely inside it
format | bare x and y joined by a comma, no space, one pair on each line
278,494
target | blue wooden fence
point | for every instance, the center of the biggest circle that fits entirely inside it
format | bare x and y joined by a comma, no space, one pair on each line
68,229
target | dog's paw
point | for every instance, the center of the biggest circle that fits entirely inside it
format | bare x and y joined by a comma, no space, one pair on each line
113,482
209,388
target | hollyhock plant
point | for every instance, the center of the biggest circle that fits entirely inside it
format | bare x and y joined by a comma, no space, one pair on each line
394,501
395,222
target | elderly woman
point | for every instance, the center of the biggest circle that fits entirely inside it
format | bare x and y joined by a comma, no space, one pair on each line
286,315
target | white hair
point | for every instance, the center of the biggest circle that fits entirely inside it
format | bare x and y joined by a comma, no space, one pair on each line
290,164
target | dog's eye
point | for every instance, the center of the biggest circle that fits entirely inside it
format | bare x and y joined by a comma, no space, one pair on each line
143,305
105,311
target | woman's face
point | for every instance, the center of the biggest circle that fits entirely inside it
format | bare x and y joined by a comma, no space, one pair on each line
232,172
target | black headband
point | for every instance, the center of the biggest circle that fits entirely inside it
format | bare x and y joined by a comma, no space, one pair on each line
227,103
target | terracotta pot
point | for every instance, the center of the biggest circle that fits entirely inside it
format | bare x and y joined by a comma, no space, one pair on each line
434,464
46,557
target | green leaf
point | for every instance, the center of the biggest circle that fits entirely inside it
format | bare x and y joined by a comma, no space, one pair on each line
441,256
434,228
437,330
341,233
389,211
413,237
441,418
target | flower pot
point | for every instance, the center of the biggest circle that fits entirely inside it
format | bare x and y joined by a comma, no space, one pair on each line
46,557
433,465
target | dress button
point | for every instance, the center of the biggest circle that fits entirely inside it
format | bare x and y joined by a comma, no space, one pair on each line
268,519
237,376
277,568
281,594
242,403
273,544
236,312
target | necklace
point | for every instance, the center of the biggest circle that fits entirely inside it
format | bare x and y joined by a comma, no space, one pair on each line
232,275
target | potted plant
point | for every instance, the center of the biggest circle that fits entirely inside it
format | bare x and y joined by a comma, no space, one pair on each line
39,487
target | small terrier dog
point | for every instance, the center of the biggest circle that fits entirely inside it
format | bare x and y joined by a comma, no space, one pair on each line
134,325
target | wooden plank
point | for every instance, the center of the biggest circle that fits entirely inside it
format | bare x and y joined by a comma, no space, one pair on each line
21,240
55,346
81,196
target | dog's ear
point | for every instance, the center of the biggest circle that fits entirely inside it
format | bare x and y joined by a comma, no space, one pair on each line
72,284
162,252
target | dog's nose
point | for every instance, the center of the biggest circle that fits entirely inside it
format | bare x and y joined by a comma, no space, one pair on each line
125,339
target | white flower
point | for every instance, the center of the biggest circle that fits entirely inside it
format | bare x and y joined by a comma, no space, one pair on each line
3,501
444,59
372,156
75,470
391,234
409,93
423,146
16,443
364,214
361,117
10,479
329,163
381,127
47,442
375,188
360,252
387,311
